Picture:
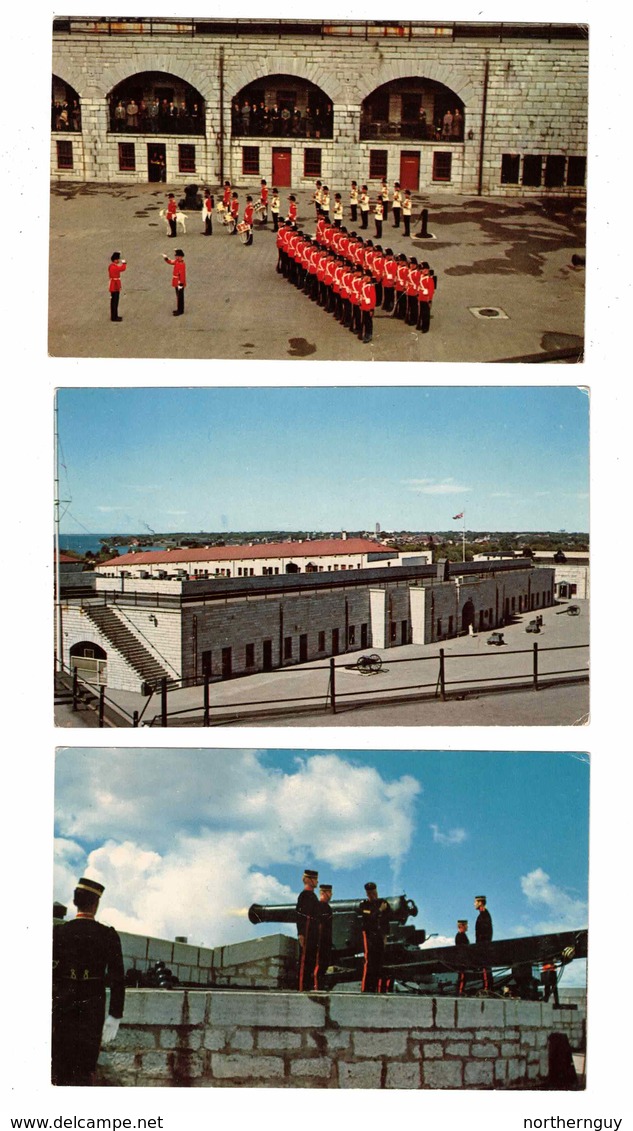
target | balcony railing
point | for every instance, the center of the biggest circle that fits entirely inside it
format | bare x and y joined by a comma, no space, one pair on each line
189,124
411,131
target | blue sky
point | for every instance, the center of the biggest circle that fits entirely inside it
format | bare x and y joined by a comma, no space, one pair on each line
186,840
323,458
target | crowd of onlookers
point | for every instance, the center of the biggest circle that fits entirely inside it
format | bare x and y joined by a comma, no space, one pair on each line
65,115
257,119
156,116
445,127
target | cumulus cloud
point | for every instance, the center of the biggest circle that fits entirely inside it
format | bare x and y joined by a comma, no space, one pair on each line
450,837
559,910
185,841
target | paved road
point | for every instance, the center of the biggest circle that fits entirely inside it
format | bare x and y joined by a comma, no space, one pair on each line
510,254
469,660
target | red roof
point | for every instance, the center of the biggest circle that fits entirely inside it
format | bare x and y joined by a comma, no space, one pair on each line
322,547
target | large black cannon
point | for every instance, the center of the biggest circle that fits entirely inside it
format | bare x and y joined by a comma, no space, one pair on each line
347,936
435,970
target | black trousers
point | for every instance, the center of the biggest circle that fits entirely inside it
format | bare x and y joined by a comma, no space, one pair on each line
378,229
364,218
406,219
208,225
114,305
396,217
354,212
424,317
366,326
308,956
172,228
374,949
180,299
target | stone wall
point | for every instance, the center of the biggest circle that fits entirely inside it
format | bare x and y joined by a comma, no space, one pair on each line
220,1038
536,94
268,963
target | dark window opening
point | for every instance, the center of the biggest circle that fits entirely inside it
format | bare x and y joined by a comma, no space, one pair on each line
250,656
287,647
377,164
312,162
510,168
186,158
532,170
554,171
64,155
576,172
442,165
127,157
250,159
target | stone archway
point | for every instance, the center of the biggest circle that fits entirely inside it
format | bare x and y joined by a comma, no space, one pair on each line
468,616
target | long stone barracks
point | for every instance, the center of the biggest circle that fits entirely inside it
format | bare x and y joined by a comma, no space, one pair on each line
126,632
486,108
251,1030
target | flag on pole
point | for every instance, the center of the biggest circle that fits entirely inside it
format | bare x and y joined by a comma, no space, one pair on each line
458,516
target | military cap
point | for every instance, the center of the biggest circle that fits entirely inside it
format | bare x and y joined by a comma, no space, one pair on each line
370,887
325,887
480,898
310,875
179,251
115,255
462,922
90,885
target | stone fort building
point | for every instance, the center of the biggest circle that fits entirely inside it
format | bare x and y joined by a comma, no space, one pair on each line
472,108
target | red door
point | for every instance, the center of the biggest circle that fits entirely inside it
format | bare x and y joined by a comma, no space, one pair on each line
409,171
282,168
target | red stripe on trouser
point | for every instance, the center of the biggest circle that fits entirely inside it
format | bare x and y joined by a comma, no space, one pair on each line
366,950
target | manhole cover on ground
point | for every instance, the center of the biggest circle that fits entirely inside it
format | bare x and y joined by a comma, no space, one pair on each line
487,312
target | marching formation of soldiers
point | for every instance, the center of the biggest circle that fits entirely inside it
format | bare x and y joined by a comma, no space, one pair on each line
350,277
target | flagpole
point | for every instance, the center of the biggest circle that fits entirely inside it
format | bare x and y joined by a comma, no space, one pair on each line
464,537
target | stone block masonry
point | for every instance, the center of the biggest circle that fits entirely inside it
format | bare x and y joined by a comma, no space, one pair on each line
276,1039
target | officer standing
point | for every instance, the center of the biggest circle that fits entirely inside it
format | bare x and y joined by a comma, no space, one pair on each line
308,913
483,935
86,957
375,926
178,280
461,939
324,946
207,213
549,980
172,209
117,265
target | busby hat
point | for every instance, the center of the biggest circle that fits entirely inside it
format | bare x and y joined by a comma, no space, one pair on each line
92,886
115,255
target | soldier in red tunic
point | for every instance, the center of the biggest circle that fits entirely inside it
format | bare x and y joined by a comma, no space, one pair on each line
178,279
367,307
172,209
117,265
248,219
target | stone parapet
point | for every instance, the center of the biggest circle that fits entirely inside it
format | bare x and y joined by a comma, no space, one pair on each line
220,1038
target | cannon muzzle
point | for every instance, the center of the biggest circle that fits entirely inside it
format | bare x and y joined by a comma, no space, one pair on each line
400,909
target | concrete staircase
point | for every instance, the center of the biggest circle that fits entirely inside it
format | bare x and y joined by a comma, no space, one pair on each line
130,647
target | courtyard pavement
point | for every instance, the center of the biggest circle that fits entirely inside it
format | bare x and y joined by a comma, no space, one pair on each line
513,255
408,670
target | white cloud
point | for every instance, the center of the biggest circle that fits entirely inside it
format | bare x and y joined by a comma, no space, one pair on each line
432,487
560,911
450,837
185,841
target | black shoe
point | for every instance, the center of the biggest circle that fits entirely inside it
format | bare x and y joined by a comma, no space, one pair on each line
116,319
176,313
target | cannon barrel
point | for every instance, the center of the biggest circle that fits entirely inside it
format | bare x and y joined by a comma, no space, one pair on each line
400,908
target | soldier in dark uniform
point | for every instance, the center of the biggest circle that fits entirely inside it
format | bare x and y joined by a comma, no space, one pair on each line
375,926
86,958
324,947
308,912
461,939
549,980
483,935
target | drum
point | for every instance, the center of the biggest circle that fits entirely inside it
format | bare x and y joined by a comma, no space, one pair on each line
230,223
244,231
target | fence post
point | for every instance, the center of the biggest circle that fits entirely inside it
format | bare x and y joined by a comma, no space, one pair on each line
333,684
206,700
535,666
135,719
163,701
101,705
442,676
75,688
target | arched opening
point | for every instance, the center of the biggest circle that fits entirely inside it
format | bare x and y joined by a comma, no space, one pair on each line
90,662
153,102
281,106
292,567
65,107
416,108
468,616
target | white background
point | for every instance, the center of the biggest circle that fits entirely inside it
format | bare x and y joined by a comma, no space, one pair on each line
28,736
